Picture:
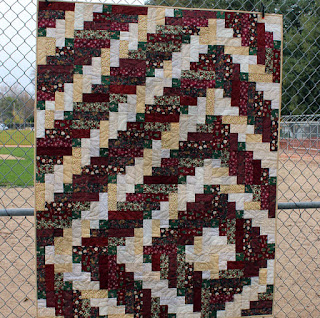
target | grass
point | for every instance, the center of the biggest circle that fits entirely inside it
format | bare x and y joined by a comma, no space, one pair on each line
17,173
17,137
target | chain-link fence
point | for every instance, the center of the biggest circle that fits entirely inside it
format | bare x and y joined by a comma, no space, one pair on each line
297,280
17,267
298,270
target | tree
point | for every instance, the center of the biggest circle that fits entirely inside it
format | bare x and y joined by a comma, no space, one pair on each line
16,105
301,86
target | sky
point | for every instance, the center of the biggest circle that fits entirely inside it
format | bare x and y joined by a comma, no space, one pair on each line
18,41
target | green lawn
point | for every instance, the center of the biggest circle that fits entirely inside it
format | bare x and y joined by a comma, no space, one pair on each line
17,137
17,173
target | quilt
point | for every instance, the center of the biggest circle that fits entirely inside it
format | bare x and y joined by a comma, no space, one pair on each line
156,161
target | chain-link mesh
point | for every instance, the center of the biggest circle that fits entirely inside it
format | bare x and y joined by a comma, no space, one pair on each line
297,267
298,272
17,267
297,264
301,89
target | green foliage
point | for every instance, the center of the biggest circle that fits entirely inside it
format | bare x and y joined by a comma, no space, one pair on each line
301,54
16,106
6,108
301,90
17,117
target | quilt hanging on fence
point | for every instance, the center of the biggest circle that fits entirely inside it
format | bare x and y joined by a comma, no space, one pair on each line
157,138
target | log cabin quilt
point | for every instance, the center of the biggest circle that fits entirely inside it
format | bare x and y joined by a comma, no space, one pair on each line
156,161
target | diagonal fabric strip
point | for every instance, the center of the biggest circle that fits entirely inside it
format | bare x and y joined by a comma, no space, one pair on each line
156,171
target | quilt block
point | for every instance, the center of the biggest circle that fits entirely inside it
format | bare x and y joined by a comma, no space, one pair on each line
156,161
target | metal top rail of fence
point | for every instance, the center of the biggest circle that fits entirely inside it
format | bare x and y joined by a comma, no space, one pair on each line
304,118
281,206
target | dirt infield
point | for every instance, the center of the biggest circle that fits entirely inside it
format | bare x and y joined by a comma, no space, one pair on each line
10,157
299,177
16,146
17,267
17,198
298,253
